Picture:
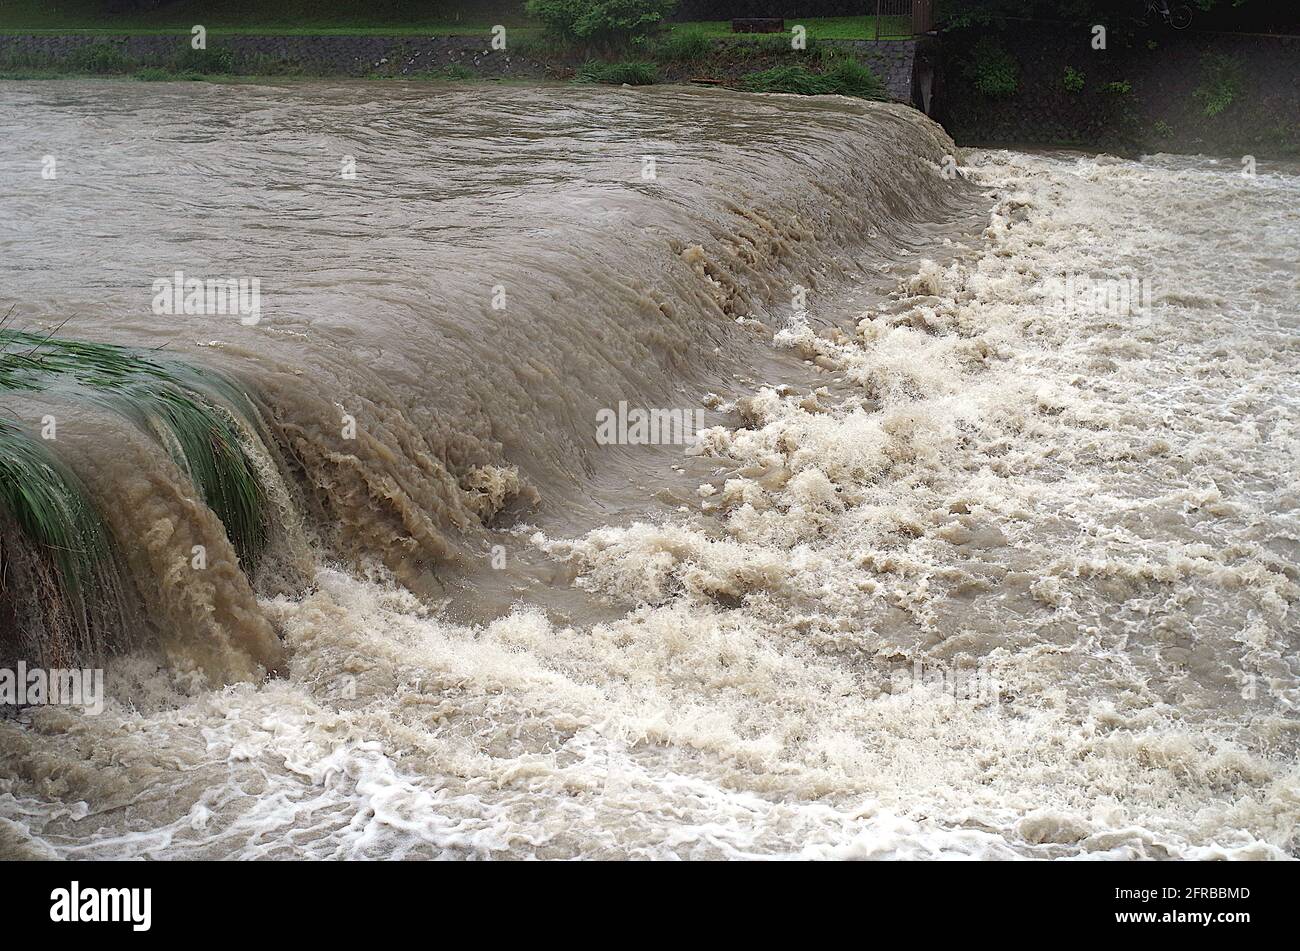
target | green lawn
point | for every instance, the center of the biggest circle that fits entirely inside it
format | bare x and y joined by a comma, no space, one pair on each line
253,16
819,28
377,17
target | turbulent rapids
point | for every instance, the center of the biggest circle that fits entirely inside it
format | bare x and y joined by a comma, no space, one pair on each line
918,553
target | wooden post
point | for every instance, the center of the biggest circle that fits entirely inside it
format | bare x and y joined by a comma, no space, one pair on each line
922,16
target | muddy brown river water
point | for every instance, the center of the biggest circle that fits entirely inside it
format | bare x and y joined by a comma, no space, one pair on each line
961,564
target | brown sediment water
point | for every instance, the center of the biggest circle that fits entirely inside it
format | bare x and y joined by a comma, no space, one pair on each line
502,635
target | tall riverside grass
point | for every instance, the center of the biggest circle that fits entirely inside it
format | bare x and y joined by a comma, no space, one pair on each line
616,74
58,578
200,417
843,76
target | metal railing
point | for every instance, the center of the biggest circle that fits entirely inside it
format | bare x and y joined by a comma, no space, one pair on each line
897,19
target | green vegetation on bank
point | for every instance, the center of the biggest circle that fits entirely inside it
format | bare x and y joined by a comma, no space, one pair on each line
601,21
819,28
261,16
110,59
815,70
404,17
991,69
1220,85
617,74
843,76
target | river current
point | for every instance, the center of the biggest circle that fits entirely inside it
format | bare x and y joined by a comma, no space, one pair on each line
987,545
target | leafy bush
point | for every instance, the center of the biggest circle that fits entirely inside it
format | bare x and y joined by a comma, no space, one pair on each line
1220,84
1121,88
847,77
101,58
605,21
206,62
992,70
1074,80
616,74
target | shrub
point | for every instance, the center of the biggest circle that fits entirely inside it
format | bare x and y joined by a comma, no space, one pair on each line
101,58
604,21
1121,88
1220,84
205,62
616,74
992,70
1074,80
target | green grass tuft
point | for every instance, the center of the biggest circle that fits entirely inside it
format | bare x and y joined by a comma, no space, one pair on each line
682,46
792,79
102,59
848,77
48,504
615,74
60,594
845,77
210,62
156,74
194,413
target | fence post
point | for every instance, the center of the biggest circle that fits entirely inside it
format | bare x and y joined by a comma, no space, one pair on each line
922,16
878,3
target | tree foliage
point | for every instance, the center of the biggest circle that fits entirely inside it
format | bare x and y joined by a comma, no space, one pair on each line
602,21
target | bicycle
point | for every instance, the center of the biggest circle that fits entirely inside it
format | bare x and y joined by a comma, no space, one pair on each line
1178,16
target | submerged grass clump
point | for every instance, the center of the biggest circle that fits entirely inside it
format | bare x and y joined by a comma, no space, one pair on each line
57,575
199,417
48,504
44,500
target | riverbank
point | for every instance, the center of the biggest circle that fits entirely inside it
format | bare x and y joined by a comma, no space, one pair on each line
679,57
1026,85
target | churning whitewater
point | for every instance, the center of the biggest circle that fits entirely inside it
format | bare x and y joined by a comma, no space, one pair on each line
957,567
